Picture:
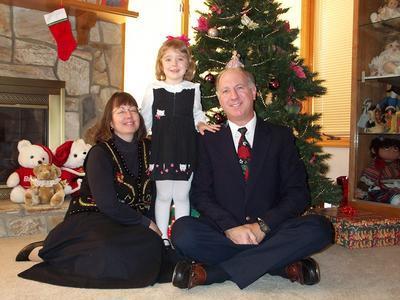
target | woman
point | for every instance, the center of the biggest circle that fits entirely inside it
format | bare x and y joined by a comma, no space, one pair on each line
107,239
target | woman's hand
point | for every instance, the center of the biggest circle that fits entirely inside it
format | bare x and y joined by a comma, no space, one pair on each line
201,127
155,228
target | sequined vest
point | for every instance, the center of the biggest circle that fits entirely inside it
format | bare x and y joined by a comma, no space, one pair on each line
136,192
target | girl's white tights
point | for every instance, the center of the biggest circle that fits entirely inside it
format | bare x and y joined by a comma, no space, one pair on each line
178,190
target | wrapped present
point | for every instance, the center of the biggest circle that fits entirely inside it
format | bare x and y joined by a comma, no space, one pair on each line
363,229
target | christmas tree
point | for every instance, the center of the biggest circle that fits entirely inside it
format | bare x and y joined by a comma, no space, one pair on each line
253,32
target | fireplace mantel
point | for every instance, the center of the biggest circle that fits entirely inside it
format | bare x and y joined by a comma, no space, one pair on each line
107,13
30,86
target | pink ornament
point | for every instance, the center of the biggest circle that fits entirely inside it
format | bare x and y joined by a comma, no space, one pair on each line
298,70
202,24
215,8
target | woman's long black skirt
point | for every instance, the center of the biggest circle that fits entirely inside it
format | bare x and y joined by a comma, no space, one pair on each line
89,250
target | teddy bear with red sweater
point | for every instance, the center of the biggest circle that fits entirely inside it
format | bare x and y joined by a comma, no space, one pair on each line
70,157
29,156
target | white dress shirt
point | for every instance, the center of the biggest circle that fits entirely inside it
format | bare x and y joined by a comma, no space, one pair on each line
251,127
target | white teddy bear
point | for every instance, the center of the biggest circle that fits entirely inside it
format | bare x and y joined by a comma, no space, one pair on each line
70,157
29,157
388,11
388,61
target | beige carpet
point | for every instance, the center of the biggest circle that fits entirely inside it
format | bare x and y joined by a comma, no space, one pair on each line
346,274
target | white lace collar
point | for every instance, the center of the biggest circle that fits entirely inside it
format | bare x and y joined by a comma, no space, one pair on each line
174,88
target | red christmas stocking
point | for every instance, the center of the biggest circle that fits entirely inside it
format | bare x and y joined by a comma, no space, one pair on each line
60,27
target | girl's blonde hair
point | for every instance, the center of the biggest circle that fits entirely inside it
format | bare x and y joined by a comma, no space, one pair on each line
179,45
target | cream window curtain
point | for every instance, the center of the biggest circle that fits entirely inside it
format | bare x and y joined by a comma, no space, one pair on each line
333,33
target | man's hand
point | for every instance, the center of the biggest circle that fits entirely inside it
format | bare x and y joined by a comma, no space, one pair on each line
255,228
242,235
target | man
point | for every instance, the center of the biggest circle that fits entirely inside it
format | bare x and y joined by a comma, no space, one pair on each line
250,215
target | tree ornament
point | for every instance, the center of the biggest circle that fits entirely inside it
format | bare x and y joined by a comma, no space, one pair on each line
274,84
210,78
298,70
202,24
216,115
235,61
268,98
249,23
215,8
293,106
313,159
219,118
213,32
286,26
291,90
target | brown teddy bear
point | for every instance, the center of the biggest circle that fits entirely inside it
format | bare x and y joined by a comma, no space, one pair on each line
46,187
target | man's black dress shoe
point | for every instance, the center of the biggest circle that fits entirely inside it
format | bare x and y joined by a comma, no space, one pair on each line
305,271
23,255
188,275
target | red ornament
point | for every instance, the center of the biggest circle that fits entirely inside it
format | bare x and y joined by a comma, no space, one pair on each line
219,118
274,84
210,78
286,26
215,8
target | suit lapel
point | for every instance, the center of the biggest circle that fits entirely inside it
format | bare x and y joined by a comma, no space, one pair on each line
227,146
261,144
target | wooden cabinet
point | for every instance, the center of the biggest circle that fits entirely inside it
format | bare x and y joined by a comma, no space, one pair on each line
369,39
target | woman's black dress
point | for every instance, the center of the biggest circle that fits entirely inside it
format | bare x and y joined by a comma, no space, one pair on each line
104,240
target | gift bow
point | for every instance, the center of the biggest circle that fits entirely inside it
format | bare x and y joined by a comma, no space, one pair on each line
183,38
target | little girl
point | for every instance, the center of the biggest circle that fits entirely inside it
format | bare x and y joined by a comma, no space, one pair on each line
172,111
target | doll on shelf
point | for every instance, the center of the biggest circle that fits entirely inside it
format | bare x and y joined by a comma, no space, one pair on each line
380,181
375,122
389,10
387,62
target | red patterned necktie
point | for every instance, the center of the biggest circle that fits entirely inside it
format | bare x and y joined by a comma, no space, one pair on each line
244,152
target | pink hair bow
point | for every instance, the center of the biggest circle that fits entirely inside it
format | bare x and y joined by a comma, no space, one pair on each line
183,38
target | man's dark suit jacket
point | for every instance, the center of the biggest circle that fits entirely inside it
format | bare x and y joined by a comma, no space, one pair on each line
275,191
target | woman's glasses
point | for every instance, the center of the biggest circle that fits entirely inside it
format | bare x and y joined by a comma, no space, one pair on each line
125,109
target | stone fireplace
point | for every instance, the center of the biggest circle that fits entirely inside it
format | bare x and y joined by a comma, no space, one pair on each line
31,109
28,53
91,75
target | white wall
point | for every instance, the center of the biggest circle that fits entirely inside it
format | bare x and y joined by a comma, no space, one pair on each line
339,162
144,36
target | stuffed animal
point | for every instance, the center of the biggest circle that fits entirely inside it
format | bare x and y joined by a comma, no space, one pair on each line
29,157
380,181
46,186
388,61
388,11
70,157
